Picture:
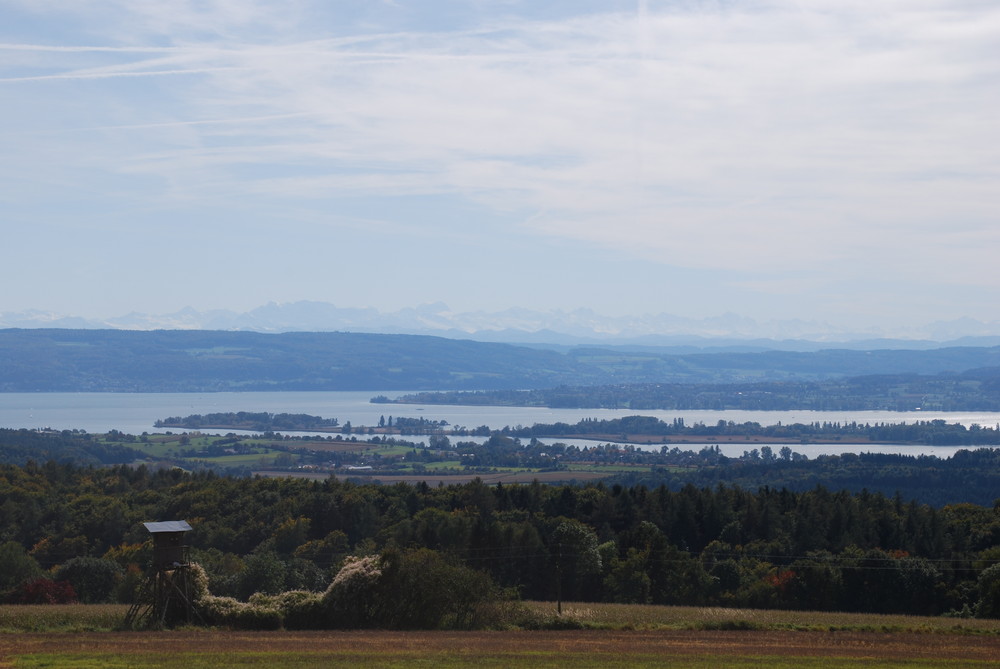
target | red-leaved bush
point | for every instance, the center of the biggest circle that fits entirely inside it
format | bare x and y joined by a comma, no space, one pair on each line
44,591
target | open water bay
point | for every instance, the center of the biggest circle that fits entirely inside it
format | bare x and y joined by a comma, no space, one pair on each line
137,412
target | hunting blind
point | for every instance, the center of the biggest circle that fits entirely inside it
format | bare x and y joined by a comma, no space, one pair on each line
165,597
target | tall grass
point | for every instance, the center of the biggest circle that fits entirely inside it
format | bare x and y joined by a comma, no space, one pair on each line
650,617
61,617
107,617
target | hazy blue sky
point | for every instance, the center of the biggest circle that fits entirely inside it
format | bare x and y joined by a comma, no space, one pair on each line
831,159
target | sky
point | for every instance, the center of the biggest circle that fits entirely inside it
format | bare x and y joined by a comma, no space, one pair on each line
827,160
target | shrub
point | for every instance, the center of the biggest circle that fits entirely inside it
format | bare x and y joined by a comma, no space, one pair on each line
253,617
263,572
417,589
304,575
130,585
988,605
93,579
18,566
197,580
420,589
218,610
262,612
282,600
305,613
351,600
44,591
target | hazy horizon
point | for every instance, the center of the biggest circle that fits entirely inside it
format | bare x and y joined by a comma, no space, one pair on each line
518,325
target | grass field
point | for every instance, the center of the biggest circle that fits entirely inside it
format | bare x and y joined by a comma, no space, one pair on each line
649,617
19,619
192,649
83,637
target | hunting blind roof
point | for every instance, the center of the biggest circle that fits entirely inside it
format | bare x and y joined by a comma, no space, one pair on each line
168,526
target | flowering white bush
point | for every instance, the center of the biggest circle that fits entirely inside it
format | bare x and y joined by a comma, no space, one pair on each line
351,598
409,589
219,610
197,581
357,572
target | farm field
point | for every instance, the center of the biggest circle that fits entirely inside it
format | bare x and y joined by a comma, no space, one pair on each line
278,458
620,635
192,649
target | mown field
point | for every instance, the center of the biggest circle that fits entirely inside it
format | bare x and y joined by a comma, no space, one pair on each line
613,635
600,648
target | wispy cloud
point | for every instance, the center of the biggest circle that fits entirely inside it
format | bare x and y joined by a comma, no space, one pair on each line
84,49
821,137
111,74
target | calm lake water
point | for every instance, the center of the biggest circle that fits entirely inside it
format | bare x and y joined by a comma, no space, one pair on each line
136,412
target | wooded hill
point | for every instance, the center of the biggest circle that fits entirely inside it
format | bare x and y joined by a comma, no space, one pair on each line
54,360
718,546
204,361
973,390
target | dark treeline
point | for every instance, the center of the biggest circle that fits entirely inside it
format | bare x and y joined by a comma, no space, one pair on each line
719,545
931,432
18,447
966,477
969,476
262,421
249,420
973,390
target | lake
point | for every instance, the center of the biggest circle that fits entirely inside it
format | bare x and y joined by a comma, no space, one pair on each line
136,412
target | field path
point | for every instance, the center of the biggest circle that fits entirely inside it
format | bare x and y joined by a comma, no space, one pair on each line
615,645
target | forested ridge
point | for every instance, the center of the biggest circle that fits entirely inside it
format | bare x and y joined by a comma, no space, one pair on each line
817,549
56,360
971,390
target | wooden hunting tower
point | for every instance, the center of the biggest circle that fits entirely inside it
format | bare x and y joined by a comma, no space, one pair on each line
169,550
165,597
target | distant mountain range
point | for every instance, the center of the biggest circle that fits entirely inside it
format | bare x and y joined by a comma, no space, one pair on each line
524,326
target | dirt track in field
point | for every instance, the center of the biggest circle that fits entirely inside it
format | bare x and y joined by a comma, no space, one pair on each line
613,644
